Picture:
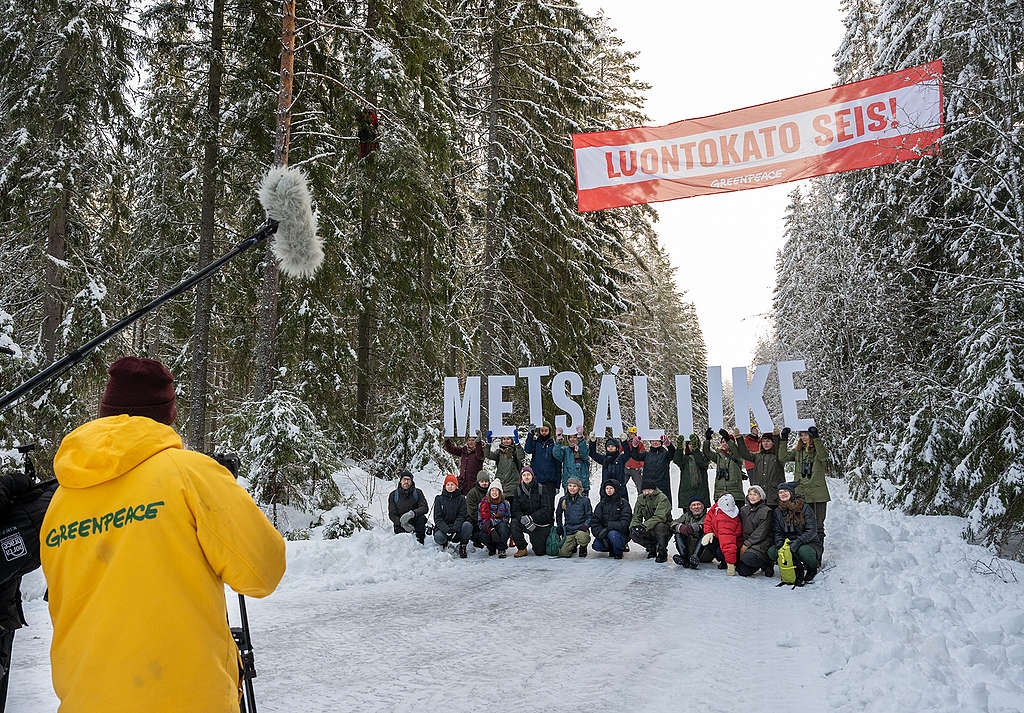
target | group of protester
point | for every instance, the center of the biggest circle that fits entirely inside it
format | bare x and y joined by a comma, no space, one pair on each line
517,505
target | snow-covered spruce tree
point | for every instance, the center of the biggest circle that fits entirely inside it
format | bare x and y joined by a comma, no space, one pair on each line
921,347
64,123
285,454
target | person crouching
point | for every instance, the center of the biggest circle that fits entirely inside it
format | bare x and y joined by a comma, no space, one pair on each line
407,508
494,517
530,515
610,523
649,526
450,523
688,529
794,520
723,531
756,518
573,516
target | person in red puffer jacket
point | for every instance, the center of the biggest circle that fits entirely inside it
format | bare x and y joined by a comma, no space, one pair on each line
723,531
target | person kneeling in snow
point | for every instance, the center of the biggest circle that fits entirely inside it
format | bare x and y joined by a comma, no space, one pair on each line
407,508
688,529
154,532
795,521
610,523
756,518
494,516
473,499
649,526
573,517
530,515
450,516
723,531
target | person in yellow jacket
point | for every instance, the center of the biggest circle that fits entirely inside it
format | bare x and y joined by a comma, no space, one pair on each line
137,545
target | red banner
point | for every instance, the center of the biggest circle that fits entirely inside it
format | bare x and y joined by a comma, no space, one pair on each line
894,117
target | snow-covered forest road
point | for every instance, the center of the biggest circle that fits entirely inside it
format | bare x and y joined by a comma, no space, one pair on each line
898,621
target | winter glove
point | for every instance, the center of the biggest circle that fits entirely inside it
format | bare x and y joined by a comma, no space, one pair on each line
707,539
579,431
406,518
638,531
724,434
530,525
490,436
515,436
603,534
813,430
558,432
685,529
785,433
694,442
560,531
708,434
730,570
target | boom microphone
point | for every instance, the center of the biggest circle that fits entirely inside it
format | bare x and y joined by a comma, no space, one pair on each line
285,198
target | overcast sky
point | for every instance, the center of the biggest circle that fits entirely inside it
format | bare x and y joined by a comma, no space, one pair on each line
703,58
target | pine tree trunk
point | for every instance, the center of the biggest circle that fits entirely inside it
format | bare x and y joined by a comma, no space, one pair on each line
364,328
199,383
488,348
265,343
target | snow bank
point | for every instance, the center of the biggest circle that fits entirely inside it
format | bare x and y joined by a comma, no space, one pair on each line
368,557
918,626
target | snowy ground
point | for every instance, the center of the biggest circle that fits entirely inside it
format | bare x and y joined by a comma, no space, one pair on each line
898,621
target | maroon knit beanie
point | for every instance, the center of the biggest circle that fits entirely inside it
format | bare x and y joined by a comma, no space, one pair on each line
139,387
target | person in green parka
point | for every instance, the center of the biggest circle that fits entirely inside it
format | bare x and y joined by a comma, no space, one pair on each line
810,458
768,471
728,467
649,526
693,472
511,458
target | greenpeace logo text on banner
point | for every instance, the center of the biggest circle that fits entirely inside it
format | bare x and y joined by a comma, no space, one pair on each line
749,178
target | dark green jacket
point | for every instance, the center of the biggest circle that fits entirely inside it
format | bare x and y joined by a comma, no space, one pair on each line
693,476
473,498
812,488
510,462
728,472
697,523
757,527
651,509
768,471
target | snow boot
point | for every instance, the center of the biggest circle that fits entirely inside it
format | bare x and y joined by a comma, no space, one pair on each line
583,550
679,560
462,551
693,562
520,553
722,565
490,551
810,574
769,571
662,556
625,548
501,554
651,554
617,555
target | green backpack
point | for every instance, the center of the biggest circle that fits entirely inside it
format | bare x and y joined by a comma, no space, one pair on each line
554,543
787,564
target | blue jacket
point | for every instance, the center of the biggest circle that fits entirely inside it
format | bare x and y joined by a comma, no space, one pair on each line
575,511
613,465
545,467
574,465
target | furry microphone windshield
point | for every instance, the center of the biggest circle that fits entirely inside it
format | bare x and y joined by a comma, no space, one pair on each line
285,197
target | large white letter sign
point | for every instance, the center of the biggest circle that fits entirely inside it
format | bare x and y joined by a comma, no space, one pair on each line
684,405
716,419
747,399
496,408
642,408
608,414
790,395
533,375
461,408
562,401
